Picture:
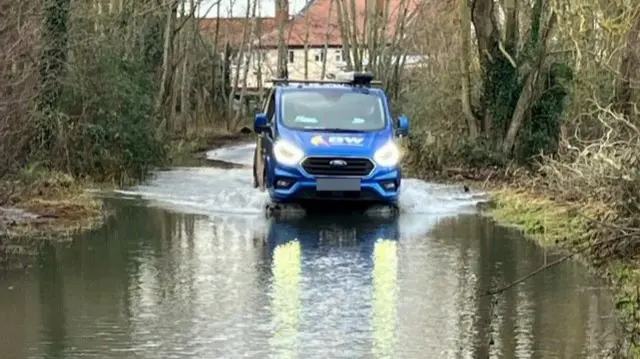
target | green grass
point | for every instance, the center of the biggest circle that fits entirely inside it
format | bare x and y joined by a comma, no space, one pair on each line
549,221
552,223
61,202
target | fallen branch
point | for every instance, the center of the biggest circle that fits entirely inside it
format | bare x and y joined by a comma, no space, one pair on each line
550,265
632,231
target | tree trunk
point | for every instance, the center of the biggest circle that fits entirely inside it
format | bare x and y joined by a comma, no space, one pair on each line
241,57
382,42
355,42
323,72
52,64
185,88
630,71
391,51
306,50
344,31
465,56
512,26
525,101
393,69
167,66
247,64
488,37
282,48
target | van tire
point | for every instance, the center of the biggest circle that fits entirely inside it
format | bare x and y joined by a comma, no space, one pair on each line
259,180
263,182
255,175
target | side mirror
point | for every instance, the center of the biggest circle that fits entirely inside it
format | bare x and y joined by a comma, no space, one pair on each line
403,126
260,123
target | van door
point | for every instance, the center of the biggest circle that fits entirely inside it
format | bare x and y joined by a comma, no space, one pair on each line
264,147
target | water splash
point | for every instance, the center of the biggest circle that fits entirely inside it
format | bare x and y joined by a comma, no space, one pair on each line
203,190
239,154
230,191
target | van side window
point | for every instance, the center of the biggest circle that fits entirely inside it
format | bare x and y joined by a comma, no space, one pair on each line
271,106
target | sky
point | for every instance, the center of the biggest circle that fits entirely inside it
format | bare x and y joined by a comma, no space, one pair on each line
266,8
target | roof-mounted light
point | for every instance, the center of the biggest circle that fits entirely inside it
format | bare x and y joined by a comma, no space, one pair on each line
356,78
353,78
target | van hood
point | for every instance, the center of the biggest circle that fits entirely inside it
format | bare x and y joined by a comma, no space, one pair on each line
318,143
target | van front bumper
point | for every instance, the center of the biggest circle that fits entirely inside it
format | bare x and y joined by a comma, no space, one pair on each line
294,184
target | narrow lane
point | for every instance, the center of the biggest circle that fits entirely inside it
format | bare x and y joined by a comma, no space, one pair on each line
190,268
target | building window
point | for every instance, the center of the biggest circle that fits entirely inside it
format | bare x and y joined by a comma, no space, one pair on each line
339,57
291,56
319,55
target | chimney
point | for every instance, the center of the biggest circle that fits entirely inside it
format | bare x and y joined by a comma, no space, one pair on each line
282,11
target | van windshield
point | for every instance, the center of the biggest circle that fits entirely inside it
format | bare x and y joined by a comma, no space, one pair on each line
333,110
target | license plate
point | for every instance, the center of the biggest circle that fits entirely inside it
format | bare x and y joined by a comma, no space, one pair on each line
341,235
338,184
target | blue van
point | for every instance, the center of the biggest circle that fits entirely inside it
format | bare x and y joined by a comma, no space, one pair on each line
329,140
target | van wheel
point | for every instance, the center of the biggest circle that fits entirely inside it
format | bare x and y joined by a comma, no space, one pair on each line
259,172
263,183
255,173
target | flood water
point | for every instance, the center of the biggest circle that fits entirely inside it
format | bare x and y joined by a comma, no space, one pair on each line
189,268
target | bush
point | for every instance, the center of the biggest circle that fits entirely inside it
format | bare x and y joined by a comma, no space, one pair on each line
426,156
607,170
542,132
107,120
103,125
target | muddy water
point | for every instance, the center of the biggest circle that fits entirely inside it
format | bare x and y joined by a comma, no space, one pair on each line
189,268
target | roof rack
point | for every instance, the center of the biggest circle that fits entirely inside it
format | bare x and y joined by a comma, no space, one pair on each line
356,79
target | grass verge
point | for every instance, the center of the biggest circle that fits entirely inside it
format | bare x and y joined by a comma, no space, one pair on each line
43,205
570,226
37,204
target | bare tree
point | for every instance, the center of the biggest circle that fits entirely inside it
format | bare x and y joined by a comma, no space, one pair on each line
165,92
327,34
282,13
465,61
629,69
249,43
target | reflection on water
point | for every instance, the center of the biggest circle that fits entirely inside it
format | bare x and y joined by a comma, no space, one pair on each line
385,294
286,299
156,284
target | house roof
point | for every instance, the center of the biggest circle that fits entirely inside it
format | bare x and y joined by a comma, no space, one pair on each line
232,28
317,24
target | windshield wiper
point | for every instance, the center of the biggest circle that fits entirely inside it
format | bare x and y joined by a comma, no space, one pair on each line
346,130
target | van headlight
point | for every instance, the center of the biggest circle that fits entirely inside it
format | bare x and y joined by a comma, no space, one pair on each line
388,155
287,153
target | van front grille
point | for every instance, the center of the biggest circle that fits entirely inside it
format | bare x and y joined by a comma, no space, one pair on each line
338,166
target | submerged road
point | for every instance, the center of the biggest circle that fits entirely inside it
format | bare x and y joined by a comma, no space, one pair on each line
190,268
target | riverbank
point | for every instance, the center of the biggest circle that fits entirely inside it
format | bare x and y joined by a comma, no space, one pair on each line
38,204
576,226
42,204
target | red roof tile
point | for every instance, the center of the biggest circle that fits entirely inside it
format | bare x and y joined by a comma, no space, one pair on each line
233,28
317,24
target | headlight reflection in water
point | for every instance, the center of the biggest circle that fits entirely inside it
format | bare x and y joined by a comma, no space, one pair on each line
286,301
385,297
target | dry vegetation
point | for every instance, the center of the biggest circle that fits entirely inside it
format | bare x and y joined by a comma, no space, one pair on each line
540,102
536,97
102,92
